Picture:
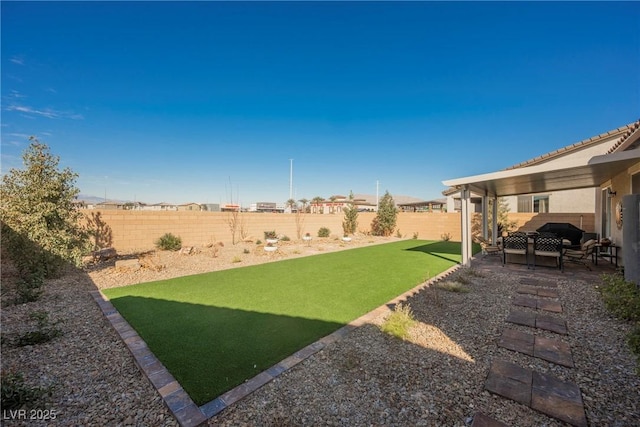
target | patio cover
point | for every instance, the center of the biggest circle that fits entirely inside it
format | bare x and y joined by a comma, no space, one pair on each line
551,176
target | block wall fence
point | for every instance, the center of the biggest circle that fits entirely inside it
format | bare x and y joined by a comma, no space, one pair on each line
134,231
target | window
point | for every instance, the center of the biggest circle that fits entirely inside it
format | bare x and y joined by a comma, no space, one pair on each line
538,204
541,204
524,204
635,184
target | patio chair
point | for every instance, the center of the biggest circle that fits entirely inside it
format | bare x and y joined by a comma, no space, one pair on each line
582,255
515,244
548,245
488,248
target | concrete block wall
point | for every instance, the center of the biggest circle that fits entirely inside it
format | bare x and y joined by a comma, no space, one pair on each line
138,230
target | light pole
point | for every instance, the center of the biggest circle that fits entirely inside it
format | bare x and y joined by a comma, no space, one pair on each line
291,179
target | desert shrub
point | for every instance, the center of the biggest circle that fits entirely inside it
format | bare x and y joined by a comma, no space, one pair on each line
246,251
621,297
169,242
399,234
16,394
45,330
236,259
455,286
270,235
324,232
285,238
399,322
415,235
258,242
445,237
29,288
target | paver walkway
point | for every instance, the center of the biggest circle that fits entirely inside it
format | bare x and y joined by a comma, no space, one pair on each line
541,392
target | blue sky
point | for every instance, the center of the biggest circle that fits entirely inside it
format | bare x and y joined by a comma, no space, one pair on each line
183,102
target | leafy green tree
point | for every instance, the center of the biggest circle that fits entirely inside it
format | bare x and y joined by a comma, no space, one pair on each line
385,220
37,203
350,223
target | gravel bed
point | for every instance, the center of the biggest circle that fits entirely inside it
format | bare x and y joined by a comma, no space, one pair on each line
434,378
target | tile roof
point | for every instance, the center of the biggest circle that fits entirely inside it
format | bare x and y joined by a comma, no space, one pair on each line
623,133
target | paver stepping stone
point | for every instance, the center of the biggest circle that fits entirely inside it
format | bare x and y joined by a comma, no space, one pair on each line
538,291
552,350
524,318
515,340
536,320
556,351
537,304
549,305
550,323
557,398
541,392
511,381
482,420
549,293
525,301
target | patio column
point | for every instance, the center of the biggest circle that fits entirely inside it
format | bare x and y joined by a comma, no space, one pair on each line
485,219
465,198
494,221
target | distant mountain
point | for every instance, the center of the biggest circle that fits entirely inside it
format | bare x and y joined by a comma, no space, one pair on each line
398,199
92,200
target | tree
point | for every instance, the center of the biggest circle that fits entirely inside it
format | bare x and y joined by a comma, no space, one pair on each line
350,223
385,220
37,204
317,201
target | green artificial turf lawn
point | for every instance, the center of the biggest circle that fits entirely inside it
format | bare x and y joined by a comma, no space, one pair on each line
215,330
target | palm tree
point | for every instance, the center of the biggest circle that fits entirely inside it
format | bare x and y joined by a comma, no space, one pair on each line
304,204
317,201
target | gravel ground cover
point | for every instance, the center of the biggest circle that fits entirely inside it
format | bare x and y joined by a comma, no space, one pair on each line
434,378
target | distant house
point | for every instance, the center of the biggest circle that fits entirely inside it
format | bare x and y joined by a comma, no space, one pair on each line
438,205
110,205
162,206
189,207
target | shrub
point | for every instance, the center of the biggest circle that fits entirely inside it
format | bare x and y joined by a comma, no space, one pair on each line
44,332
350,223
246,251
622,298
169,242
453,287
398,234
270,235
37,205
236,259
399,322
385,221
29,288
285,238
324,232
445,237
415,235
16,394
